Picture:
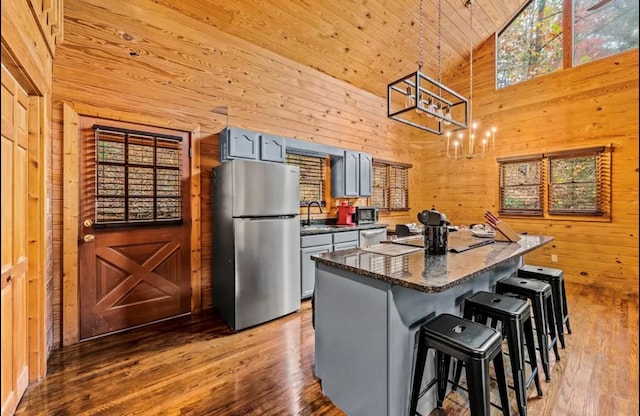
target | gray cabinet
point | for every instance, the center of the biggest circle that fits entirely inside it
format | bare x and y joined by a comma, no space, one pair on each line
272,148
236,143
365,169
308,266
311,245
351,175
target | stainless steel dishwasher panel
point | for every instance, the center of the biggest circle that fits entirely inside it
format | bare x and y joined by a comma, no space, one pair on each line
372,236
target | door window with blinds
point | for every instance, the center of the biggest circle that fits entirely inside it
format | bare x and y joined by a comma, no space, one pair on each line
390,185
137,178
312,177
578,183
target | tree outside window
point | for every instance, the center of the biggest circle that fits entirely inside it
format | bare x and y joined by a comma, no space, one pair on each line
603,27
533,43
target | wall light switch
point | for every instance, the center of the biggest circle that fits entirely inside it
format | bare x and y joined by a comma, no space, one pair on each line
554,258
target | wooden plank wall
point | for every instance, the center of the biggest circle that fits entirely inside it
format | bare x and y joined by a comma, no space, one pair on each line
30,33
140,57
143,58
594,104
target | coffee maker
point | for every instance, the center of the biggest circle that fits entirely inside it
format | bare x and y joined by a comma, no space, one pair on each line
345,213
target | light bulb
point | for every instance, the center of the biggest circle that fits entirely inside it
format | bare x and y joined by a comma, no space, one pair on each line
410,97
447,115
430,106
419,103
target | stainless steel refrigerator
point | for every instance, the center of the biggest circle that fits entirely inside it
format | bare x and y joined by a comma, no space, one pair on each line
256,241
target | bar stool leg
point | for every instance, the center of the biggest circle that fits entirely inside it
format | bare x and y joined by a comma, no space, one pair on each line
443,361
516,353
478,387
565,309
531,350
498,364
552,326
542,335
421,359
559,309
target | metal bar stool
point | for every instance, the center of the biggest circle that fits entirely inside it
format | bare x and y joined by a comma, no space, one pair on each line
515,316
555,278
471,343
539,293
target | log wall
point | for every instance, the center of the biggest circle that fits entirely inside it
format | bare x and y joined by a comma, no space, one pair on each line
594,104
139,57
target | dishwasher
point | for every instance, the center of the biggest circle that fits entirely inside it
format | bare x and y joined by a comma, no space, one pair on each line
372,236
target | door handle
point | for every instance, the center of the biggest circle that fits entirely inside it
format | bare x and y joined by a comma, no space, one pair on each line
88,223
89,238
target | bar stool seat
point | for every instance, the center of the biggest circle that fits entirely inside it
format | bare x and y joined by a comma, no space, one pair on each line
539,293
515,316
555,278
471,343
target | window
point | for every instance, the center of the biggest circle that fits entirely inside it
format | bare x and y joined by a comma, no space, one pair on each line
312,177
533,44
521,185
137,177
603,27
390,185
579,183
575,182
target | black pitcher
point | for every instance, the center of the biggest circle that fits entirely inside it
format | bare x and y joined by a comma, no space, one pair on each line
436,239
436,232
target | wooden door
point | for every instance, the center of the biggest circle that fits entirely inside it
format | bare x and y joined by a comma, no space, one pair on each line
134,265
15,137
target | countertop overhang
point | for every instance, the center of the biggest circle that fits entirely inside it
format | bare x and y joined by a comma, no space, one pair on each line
431,273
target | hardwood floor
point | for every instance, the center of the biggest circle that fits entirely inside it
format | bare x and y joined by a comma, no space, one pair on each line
197,366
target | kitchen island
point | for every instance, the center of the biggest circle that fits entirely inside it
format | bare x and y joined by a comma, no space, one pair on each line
369,307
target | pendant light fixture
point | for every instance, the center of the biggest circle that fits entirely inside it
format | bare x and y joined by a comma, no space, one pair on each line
423,102
467,144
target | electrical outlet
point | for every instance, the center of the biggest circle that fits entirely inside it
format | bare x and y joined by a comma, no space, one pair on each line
554,258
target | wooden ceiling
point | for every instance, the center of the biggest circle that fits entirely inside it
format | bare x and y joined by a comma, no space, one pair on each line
367,43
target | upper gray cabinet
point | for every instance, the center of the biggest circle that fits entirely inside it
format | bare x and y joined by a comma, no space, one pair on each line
351,175
236,143
272,148
365,174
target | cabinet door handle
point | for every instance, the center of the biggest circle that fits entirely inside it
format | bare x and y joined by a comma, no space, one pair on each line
9,278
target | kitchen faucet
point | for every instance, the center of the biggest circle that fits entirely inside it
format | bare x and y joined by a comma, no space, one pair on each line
309,210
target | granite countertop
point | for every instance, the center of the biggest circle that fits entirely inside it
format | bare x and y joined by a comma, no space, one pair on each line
430,273
320,228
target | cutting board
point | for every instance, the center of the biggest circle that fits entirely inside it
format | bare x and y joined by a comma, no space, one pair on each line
391,249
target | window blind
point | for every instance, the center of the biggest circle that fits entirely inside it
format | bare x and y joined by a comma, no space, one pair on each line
312,177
